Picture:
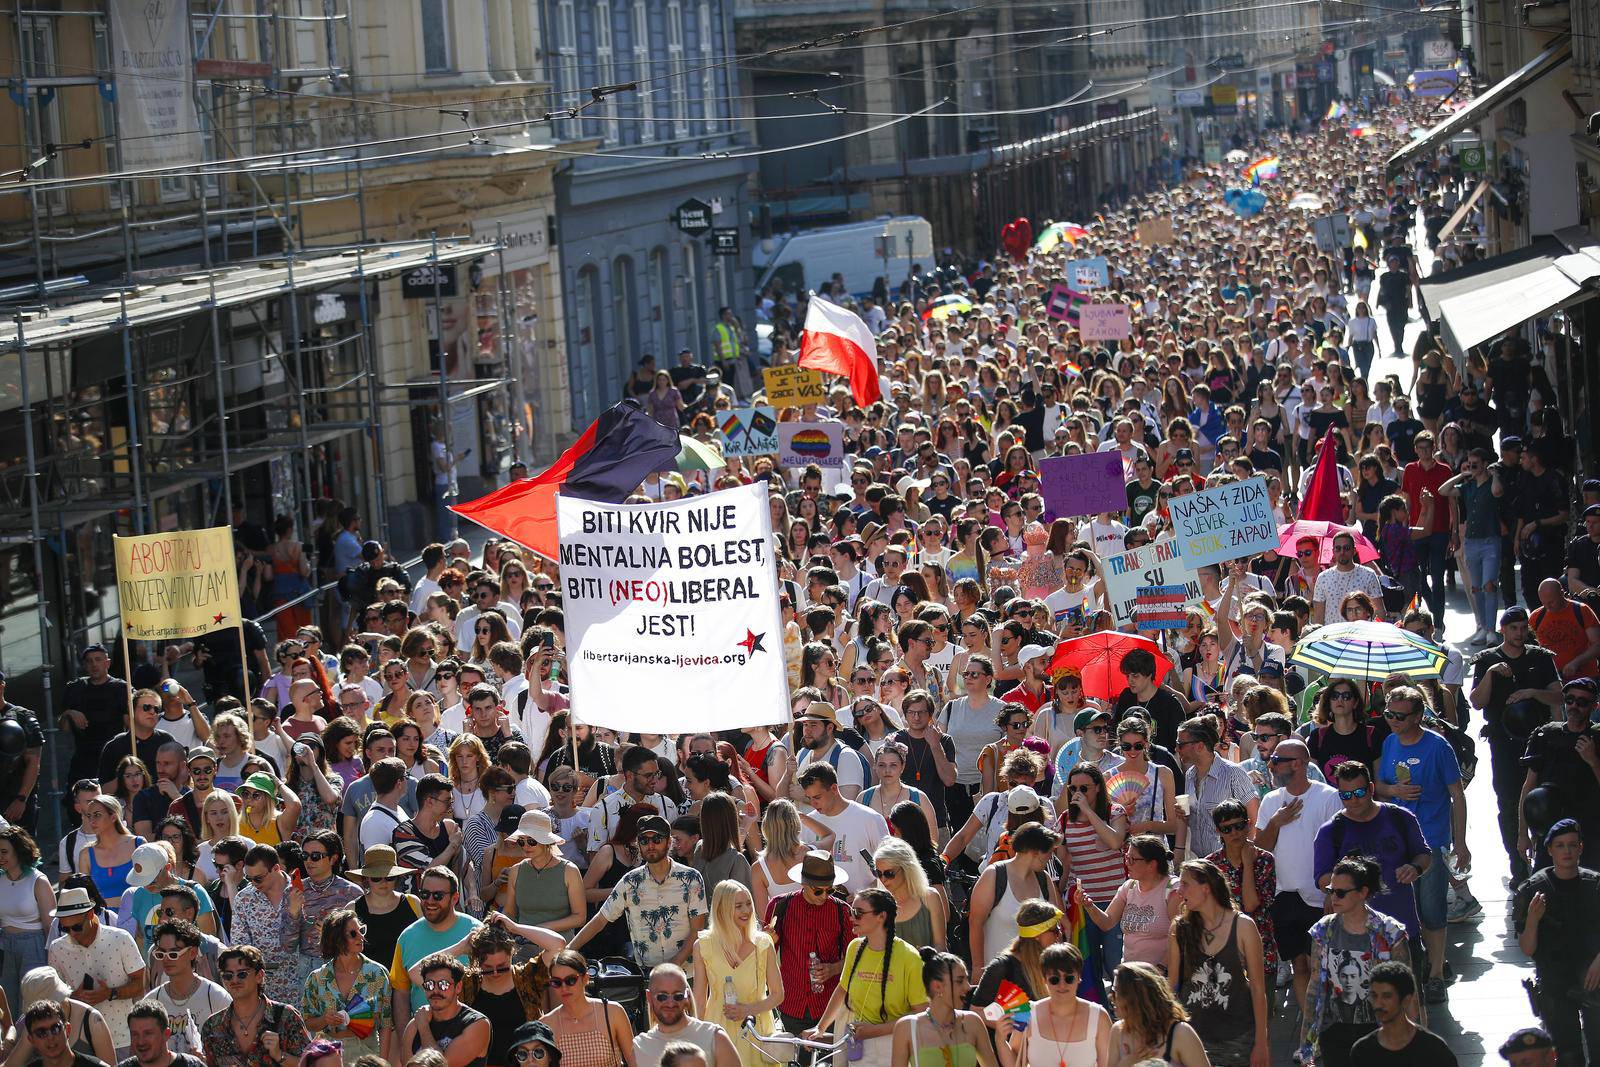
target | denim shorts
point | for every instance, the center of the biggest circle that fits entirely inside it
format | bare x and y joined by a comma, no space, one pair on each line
1433,892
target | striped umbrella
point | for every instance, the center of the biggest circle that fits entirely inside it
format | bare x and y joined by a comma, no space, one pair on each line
947,305
1371,650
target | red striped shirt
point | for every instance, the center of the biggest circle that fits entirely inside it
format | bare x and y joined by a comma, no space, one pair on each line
1101,869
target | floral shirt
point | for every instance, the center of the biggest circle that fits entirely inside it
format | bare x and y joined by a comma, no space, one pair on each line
223,1048
304,935
659,913
321,994
256,921
316,813
1266,878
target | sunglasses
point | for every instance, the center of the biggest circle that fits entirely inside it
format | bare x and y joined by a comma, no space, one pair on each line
567,788
677,998
1132,746
359,929
150,707
1580,702
1345,694
317,855
1264,738
167,953
566,983
236,976
650,839
41,1032
1398,716
1342,893
530,1054
438,985
433,894
885,876
859,912
862,679
1352,794
1231,827
1060,979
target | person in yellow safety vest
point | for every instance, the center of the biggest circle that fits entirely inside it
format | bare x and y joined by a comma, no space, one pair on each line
729,350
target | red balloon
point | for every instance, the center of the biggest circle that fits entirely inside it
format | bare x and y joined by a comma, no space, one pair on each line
1016,237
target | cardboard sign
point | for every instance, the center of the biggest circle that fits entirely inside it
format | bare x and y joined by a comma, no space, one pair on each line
821,443
1229,521
179,584
748,432
1064,302
1105,322
1155,231
1157,563
1160,607
678,600
1085,484
1092,273
791,387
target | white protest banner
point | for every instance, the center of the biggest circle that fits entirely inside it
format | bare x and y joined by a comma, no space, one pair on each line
152,65
1104,322
821,443
1223,523
1157,563
672,613
1093,273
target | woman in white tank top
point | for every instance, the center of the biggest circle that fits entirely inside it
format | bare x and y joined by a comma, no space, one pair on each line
1065,1030
769,875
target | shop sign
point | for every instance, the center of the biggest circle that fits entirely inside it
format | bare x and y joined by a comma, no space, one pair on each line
725,241
329,308
692,216
418,283
526,236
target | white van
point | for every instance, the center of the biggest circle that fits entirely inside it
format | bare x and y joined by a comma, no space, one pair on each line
805,259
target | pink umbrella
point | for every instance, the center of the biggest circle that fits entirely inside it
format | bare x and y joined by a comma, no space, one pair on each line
1290,534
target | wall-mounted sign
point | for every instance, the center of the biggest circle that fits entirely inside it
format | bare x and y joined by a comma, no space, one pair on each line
725,241
692,216
418,283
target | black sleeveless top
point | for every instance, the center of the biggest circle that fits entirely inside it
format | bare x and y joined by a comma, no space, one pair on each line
445,1032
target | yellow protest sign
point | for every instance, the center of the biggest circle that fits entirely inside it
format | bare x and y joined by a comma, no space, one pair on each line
179,584
790,387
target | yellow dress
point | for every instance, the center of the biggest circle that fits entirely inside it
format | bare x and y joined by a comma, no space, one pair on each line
749,986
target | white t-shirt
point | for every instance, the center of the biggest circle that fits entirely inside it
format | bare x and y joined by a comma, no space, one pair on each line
182,730
856,829
424,588
1333,585
378,825
1295,851
532,794
206,1000
851,770
1107,537
1061,602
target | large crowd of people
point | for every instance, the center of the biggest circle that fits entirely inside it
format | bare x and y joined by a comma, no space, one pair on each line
388,842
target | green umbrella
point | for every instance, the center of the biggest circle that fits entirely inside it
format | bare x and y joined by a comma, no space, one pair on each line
697,455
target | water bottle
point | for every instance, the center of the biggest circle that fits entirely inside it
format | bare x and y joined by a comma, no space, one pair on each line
729,998
812,963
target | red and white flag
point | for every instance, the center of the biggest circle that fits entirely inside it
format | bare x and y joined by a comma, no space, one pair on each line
835,340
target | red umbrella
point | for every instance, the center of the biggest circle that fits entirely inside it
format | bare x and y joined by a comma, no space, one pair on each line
1097,659
1292,533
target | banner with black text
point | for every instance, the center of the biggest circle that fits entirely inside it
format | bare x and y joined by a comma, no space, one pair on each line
672,614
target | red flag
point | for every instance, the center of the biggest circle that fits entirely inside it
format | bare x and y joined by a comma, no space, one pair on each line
835,340
607,463
1322,500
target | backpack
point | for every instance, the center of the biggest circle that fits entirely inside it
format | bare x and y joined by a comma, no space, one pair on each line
837,753
1537,615
352,582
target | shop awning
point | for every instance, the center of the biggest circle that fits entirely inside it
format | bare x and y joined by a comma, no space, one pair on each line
242,283
1497,96
1485,300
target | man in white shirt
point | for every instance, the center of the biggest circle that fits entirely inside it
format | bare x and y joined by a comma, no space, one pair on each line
852,831
1344,577
1286,826
819,725
389,780
433,559
894,565
485,597
88,949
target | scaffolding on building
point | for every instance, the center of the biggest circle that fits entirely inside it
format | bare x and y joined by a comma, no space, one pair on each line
181,334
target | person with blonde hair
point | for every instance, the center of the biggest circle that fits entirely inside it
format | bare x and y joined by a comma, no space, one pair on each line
769,875
467,760
736,961
919,914
1151,1024
1038,927
219,818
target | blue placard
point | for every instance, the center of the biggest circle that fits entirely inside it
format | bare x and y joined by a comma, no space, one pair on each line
1092,273
1224,523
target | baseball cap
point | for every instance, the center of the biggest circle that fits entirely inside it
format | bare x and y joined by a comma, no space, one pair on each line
1030,653
1584,683
654,824
1022,798
1087,716
148,861
1515,613
1591,511
1526,1040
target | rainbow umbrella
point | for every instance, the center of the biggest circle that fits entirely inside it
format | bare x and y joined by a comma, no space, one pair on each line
1057,234
1076,925
360,1011
1372,650
947,305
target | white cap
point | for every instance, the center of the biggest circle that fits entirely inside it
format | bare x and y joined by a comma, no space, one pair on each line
1030,653
149,859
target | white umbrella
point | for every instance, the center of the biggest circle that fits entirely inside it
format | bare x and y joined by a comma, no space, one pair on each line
1306,202
1236,156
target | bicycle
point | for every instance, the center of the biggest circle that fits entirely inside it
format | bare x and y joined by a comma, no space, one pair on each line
823,1053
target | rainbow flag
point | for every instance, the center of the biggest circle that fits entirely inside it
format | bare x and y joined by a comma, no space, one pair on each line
1364,129
1262,170
1091,985
1337,111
